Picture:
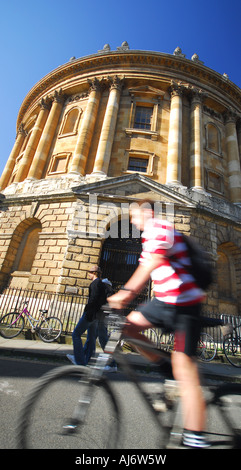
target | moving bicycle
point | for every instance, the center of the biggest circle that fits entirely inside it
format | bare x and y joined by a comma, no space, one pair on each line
90,412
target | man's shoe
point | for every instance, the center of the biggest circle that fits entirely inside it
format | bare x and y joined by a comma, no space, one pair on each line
71,359
110,368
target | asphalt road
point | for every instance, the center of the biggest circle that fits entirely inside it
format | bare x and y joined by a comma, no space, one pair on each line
139,431
17,376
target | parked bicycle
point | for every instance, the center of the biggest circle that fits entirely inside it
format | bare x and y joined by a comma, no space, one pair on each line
83,420
206,347
48,328
151,334
232,344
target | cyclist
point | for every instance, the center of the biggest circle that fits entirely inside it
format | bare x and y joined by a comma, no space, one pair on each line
176,305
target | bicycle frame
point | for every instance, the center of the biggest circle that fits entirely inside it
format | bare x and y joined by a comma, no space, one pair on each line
130,372
112,351
30,317
167,419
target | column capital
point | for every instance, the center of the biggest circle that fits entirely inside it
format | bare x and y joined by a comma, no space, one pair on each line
58,96
45,103
230,115
21,130
176,89
197,95
116,82
94,84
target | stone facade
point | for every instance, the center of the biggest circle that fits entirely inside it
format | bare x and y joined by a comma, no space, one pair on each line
100,132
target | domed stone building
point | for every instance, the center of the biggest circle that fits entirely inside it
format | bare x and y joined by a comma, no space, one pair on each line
103,131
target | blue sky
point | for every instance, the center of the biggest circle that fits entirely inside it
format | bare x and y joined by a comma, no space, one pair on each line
36,37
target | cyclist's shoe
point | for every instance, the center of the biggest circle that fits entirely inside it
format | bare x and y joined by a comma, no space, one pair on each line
71,359
195,440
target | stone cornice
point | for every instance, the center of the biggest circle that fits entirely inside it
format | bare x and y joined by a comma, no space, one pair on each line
189,199
29,198
161,65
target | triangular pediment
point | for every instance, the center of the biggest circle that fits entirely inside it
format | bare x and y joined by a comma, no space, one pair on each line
133,187
147,90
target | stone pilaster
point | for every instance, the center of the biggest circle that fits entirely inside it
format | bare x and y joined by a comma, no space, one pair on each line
7,172
87,129
174,154
103,154
234,172
30,150
42,152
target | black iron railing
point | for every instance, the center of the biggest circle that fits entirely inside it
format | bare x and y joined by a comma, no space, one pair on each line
69,308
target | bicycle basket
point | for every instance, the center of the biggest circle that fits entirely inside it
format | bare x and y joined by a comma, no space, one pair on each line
227,329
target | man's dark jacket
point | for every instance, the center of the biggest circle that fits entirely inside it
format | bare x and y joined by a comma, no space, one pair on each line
97,298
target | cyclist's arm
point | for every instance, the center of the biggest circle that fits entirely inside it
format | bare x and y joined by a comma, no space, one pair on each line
136,282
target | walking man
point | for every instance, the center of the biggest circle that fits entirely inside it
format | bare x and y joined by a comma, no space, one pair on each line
89,320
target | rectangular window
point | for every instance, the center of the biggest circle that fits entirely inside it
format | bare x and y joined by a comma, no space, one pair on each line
138,164
59,164
215,182
143,117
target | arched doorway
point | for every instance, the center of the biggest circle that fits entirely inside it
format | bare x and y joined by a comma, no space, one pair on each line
120,257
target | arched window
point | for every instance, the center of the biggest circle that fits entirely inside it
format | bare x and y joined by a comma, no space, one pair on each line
70,122
17,265
27,248
213,139
227,271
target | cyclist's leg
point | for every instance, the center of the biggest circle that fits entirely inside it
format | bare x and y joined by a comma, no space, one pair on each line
137,323
185,369
149,315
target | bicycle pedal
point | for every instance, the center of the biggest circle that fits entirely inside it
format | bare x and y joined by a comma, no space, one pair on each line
172,391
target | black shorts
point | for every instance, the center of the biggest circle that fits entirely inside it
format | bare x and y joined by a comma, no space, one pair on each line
183,321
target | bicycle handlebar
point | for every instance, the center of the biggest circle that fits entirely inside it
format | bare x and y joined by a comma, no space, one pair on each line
115,313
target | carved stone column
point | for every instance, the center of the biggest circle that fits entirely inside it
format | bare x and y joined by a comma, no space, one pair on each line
174,155
234,171
42,152
196,144
103,154
7,172
33,141
87,128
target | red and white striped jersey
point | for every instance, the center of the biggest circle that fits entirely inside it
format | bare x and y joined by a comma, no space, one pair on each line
172,282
